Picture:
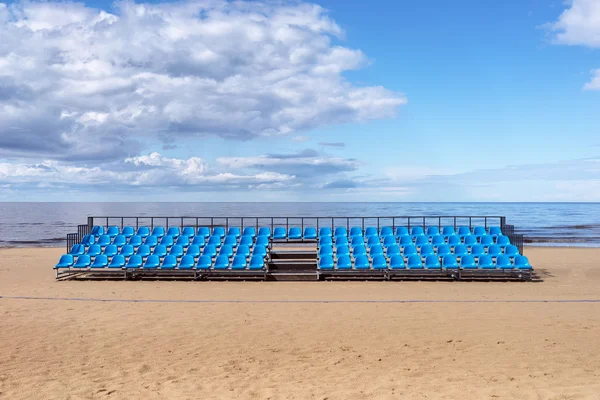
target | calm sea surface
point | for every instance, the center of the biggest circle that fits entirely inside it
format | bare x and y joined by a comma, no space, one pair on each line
556,224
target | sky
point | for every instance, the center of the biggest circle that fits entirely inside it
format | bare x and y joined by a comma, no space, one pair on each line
214,100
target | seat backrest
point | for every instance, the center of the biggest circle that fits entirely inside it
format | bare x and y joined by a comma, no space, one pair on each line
341,240
219,231
326,261
464,230
111,250
448,230
103,240
127,231
449,260
117,261
187,261
230,240
214,240
356,231
226,250
405,240
396,261
521,260
487,240
401,231
310,232
143,231
426,250
151,240
477,249
204,231
112,230
325,240
409,250
340,231
325,231
467,260
295,232
143,250
421,240
243,250
262,241
222,260
437,240
417,230
470,240
433,230
485,260
432,260
443,249
389,240
120,240
126,250
188,231
183,240
460,249
361,261
511,250
134,261
152,260
239,260
204,261
502,240
479,231
386,231
393,250
246,241
94,250
97,230
372,240
101,260
77,249
279,231
495,230
264,231
257,260
167,241
376,250
342,250
414,260
158,231
454,240
173,231
209,250
379,261
344,261
234,231
259,250
176,250
503,260
359,250
193,250
249,231
370,231
323,250
495,249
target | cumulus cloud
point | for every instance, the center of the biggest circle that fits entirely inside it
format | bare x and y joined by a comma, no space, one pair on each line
78,83
579,24
594,84
332,144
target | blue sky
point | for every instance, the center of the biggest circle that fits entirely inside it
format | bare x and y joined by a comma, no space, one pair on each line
292,101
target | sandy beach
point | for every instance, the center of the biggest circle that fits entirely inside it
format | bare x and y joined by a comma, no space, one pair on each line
471,340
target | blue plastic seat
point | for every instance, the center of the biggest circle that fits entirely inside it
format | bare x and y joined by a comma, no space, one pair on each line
143,231
405,240
417,231
188,232
279,233
358,241
325,231
342,251
421,240
173,231
203,232
214,240
127,231
230,241
521,262
326,262
503,262
135,240
467,262
112,231
183,241
88,240
97,230
160,251
295,233
361,262
204,262
117,261
264,231
397,262
126,251
325,251
103,240
66,261
359,251
495,231
477,250
259,251
485,262
463,231
432,231
239,262
470,241
460,250
370,231
479,231
134,262
453,241
262,241
414,262
83,261
310,233
158,231
379,262
222,262
234,231
187,261
344,262
511,250
340,231
110,250
143,251
193,250
437,240
386,231
486,241
199,241
169,262
432,262
325,241
77,250
176,251
372,240
243,250
218,231
401,231
152,262
120,240
226,251
494,251
448,231
375,251
355,231
426,251
389,240
449,262
151,241
392,250
249,231
443,250
502,241
93,250
246,241
257,262
409,251
341,241
167,241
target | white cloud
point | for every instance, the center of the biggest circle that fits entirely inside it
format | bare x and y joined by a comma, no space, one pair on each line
594,84
579,24
80,83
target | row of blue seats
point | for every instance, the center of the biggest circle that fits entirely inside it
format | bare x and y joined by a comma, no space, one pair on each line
296,232
161,251
414,261
419,240
424,251
169,262
136,240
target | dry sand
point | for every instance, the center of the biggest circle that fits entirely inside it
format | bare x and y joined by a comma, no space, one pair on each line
55,349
